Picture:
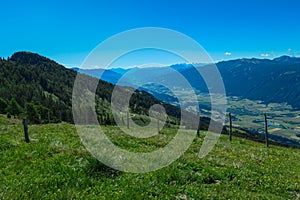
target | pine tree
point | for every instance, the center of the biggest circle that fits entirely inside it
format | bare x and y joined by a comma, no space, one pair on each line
32,113
3,106
14,108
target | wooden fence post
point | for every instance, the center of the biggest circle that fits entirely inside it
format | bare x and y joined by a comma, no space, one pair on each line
86,118
41,117
48,116
266,130
26,129
127,119
123,123
157,124
199,121
230,127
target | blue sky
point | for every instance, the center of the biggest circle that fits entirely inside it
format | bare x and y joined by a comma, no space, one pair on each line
67,31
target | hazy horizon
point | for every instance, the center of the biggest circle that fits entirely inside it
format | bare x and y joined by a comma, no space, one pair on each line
158,65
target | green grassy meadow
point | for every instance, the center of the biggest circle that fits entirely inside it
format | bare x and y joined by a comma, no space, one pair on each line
55,165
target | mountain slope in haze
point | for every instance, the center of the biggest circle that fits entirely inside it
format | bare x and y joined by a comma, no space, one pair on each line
106,75
133,76
272,81
275,80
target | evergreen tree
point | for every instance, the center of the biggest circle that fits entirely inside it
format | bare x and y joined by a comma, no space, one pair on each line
3,106
31,113
14,108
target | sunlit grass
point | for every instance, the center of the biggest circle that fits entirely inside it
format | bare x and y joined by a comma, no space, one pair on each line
55,165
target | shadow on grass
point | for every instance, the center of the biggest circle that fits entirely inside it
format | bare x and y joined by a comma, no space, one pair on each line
96,169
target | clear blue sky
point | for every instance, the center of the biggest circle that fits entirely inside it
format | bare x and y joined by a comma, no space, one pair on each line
67,31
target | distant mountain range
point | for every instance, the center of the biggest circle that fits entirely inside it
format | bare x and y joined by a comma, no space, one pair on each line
134,76
276,80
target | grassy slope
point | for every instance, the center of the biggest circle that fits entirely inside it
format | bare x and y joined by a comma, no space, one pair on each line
55,165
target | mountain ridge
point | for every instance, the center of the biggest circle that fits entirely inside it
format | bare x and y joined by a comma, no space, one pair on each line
269,80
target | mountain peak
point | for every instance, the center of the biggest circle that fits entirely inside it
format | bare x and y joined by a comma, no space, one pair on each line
29,57
287,59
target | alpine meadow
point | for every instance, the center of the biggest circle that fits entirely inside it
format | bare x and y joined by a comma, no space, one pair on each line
124,100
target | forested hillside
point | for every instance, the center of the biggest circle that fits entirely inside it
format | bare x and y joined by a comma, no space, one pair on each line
41,89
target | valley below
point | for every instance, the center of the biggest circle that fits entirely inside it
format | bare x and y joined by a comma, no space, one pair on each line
283,119
253,87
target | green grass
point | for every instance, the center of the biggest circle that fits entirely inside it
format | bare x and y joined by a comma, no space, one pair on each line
55,165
